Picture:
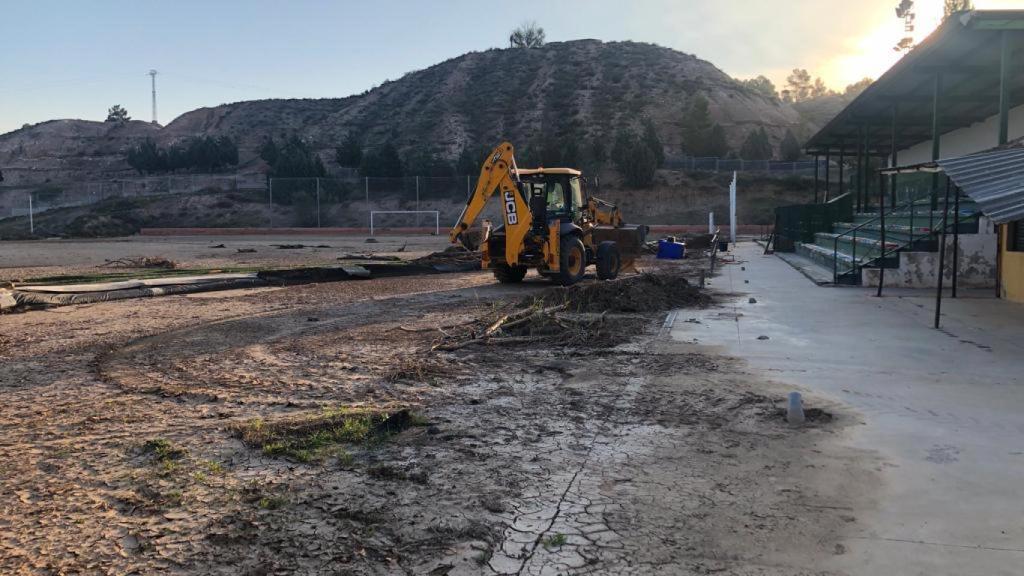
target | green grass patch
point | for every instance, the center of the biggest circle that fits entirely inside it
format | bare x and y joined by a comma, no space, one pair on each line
314,437
554,541
163,450
271,502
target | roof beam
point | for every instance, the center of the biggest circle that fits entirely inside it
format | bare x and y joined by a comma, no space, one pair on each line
946,98
1007,24
956,68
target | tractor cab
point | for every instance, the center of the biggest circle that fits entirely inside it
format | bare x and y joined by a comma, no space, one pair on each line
553,194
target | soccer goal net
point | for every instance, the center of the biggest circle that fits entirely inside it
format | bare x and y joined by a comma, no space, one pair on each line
381,219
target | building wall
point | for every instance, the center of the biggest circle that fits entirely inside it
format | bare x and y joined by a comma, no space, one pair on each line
977,265
1011,269
973,138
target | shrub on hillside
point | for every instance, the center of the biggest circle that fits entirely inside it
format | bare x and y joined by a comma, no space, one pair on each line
201,153
634,160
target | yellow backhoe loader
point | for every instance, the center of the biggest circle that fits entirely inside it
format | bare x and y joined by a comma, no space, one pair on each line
549,223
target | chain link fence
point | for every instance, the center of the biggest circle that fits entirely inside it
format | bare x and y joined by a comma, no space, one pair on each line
713,164
245,201
20,200
347,202
254,201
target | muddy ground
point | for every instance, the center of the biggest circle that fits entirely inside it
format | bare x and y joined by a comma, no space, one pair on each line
46,258
126,443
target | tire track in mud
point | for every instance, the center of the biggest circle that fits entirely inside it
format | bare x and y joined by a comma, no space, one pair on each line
125,366
70,420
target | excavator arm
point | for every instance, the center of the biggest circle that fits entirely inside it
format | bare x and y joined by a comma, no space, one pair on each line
499,172
604,212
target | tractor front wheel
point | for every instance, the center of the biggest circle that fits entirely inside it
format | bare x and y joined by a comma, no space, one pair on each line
572,261
609,261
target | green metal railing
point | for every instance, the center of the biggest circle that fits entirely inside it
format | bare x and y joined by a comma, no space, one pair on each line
880,218
856,268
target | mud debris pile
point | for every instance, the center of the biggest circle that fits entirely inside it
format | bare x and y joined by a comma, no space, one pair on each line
451,256
594,314
647,292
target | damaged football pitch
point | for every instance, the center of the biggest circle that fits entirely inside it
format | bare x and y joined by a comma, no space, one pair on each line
234,435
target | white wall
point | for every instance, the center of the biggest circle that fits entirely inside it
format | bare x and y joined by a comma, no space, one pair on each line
974,138
977,263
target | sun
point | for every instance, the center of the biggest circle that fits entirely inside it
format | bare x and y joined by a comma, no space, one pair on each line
871,54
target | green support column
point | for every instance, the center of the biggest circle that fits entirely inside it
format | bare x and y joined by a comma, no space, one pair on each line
828,168
860,172
892,158
842,154
1004,88
815,178
936,137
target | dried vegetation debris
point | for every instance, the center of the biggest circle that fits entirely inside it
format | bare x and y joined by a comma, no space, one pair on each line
595,314
419,369
157,262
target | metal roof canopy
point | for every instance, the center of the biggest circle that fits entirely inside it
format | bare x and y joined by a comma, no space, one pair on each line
969,92
995,180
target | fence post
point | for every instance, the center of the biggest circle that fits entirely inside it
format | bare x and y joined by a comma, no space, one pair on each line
417,201
31,221
366,186
318,202
468,191
270,188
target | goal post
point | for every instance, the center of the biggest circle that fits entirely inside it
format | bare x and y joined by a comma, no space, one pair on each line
436,213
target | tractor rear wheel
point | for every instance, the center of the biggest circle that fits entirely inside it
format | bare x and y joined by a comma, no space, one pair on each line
509,274
572,261
609,261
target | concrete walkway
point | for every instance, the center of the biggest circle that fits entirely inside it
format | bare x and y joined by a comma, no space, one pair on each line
944,408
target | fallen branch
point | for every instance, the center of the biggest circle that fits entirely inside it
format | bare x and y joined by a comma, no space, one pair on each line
142,262
507,321
485,340
432,328
520,318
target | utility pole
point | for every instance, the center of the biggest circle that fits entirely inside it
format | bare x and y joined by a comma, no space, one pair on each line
152,75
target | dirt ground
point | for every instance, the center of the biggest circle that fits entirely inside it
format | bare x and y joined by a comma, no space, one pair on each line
125,443
23,260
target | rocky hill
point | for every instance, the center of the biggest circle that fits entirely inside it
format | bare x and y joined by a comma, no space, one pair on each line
583,89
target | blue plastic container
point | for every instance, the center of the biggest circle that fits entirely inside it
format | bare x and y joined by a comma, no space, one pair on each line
671,250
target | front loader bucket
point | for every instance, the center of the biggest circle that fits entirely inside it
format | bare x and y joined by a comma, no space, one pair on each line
629,239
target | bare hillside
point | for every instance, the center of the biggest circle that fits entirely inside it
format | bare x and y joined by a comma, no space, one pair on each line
583,89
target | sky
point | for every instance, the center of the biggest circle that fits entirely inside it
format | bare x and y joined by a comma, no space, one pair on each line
75,59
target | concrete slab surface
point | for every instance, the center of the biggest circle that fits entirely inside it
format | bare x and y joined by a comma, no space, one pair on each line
943,408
